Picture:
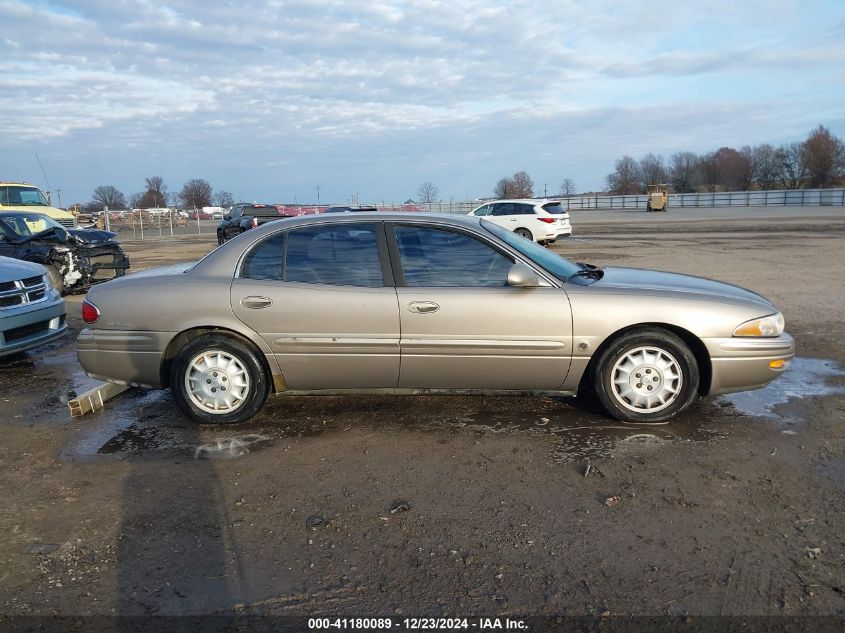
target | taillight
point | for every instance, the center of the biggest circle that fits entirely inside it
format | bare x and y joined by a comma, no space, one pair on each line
90,312
547,220
254,223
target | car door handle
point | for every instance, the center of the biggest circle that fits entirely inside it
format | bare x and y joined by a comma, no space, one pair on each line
256,302
423,307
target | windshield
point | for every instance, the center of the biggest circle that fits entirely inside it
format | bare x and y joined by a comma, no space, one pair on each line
555,264
23,225
13,195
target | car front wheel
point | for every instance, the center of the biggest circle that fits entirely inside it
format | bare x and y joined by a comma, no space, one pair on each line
646,376
218,379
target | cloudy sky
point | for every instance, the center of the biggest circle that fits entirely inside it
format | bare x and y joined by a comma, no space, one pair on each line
271,99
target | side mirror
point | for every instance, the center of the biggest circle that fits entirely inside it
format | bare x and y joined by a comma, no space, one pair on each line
522,276
227,217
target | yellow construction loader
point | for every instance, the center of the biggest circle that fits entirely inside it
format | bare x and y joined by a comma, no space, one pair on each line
658,198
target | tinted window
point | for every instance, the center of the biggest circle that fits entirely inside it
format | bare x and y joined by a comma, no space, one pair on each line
434,257
502,208
339,254
523,209
264,261
485,210
554,207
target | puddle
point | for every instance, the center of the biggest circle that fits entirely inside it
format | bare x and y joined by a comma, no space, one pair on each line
147,424
227,448
580,435
805,378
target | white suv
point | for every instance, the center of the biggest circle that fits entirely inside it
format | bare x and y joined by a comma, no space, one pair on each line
540,220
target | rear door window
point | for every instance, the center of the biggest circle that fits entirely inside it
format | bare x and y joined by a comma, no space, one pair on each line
339,254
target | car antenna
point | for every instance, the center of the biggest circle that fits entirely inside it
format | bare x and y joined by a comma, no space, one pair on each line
44,173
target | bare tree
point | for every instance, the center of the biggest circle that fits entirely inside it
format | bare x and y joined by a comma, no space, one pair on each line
108,196
504,189
224,199
428,192
792,170
156,193
523,185
567,187
135,200
730,168
196,193
626,177
824,157
653,171
765,166
684,172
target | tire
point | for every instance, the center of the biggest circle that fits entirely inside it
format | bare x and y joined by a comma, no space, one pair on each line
525,233
638,360
237,364
220,238
55,278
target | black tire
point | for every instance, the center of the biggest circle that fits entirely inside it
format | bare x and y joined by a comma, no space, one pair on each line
525,233
246,363
670,355
220,238
56,278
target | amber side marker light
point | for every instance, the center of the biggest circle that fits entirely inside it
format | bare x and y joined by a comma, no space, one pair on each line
777,364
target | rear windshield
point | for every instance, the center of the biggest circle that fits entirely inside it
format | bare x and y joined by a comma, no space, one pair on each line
262,210
554,207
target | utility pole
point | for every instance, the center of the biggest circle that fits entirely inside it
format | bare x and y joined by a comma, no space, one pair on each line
544,190
318,195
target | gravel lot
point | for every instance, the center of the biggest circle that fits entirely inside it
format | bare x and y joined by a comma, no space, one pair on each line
462,505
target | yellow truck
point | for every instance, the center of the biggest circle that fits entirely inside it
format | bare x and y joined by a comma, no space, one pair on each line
22,196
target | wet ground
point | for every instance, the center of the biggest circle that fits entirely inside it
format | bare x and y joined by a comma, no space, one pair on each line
444,505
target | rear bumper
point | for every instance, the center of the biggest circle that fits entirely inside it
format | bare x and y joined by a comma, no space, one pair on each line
742,364
132,358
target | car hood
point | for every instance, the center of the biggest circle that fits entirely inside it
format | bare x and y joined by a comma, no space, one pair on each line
644,280
92,236
14,269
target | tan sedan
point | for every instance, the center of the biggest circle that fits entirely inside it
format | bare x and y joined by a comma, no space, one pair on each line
409,304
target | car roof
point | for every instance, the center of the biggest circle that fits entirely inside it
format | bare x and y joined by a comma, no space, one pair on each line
533,201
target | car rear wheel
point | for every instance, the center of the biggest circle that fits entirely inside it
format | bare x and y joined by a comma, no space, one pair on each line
220,238
218,379
524,233
648,375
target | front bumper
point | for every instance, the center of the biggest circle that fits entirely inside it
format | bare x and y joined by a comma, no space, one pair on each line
742,364
24,328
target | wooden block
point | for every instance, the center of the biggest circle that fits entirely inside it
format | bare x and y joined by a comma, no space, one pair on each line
93,399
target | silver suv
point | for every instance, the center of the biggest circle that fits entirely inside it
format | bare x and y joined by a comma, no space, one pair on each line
32,312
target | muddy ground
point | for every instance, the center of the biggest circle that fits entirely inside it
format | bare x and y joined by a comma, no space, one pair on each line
439,505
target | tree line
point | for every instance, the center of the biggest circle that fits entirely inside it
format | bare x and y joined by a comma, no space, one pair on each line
817,162
195,194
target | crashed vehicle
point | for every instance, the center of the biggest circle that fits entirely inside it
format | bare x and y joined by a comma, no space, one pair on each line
75,259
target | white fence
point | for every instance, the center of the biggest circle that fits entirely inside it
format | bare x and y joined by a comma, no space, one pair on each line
776,197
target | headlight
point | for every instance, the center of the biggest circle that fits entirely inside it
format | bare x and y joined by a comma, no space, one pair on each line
46,280
771,325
